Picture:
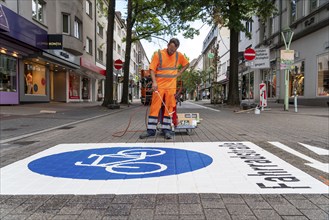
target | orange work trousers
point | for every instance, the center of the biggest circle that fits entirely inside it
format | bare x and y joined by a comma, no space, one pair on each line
168,95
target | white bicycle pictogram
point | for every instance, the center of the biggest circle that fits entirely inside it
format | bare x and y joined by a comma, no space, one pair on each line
132,160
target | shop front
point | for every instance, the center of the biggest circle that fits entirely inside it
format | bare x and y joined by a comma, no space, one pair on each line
91,82
19,39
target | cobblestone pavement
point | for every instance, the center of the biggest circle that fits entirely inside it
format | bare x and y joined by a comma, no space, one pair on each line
25,131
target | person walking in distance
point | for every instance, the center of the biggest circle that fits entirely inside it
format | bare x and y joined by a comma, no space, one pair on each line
164,71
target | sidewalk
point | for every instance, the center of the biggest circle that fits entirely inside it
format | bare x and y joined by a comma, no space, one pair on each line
57,197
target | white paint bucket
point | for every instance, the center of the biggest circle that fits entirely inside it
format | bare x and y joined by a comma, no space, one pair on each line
257,111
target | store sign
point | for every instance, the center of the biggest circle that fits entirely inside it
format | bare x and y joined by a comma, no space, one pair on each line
3,20
262,59
55,41
65,56
21,29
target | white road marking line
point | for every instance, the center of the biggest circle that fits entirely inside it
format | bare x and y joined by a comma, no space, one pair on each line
324,167
216,110
317,150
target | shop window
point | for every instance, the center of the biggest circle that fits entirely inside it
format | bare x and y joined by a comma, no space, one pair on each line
77,28
34,79
247,86
8,73
323,75
74,86
66,23
85,88
270,81
38,8
296,79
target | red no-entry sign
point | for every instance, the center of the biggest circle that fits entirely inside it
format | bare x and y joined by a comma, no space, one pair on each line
249,54
118,64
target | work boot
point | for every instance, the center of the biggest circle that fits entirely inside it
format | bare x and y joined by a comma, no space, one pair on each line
167,135
145,135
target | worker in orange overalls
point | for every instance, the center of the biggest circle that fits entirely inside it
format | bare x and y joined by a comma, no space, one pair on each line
164,71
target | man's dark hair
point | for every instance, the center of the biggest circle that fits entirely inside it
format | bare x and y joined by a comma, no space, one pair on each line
174,41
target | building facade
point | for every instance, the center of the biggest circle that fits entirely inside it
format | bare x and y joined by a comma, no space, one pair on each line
62,51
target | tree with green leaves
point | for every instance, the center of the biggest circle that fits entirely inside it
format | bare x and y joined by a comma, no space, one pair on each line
228,13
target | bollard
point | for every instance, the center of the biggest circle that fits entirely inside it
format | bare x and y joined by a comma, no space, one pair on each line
295,100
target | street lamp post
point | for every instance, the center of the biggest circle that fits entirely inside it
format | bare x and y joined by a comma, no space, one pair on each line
287,35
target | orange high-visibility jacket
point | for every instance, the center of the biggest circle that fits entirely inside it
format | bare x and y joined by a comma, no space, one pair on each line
165,68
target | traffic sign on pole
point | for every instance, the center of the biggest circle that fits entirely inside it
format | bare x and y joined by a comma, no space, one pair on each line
118,64
249,54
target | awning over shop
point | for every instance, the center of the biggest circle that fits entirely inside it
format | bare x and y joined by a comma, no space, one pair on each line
91,66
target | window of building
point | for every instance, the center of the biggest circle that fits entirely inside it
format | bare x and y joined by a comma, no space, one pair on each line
100,55
314,4
293,10
119,31
38,8
249,26
296,79
114,45
77,28
89,8
89,47
100,30
8,73
66,23
323,75
35,78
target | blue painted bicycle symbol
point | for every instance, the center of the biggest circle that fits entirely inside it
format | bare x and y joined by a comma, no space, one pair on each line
131,164
120,163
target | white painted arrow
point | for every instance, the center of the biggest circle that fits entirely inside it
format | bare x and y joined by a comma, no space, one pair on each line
324,167
317,150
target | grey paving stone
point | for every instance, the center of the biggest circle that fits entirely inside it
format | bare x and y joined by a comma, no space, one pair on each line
190,209
298,217
65,217
144,201
210,196
232,199
275,199
217,214
167,209
141,214
54,203
118,210
243,217
166,198
72,209
192,217
81,199
4,198
92,214
123,199
303,204
15,217
267,214
188,198
98,203
166,217
315,214
239,209
286,210
26,208
212,203
324,208
41,215
106,217
294,197
318,199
